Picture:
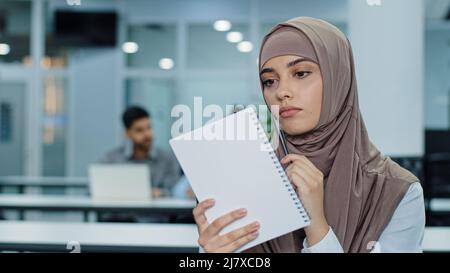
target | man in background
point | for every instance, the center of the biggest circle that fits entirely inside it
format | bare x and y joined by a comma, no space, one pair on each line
164,168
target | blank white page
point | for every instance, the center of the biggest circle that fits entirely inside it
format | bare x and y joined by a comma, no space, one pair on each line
240,172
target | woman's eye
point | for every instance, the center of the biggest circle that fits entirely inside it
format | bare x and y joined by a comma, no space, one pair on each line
268,83
302,74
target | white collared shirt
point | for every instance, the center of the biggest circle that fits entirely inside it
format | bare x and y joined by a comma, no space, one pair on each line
404,233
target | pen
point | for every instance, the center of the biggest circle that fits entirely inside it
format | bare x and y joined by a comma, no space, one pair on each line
282,137
283,142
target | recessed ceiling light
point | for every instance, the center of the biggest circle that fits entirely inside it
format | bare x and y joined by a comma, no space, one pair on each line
245,46
166,63
234,37
222,25
4,49
130,47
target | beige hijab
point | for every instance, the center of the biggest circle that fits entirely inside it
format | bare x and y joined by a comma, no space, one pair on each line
362,187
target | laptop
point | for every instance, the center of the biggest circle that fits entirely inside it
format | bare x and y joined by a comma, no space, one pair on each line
120,182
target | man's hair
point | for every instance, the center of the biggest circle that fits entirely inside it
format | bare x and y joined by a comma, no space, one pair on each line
132,114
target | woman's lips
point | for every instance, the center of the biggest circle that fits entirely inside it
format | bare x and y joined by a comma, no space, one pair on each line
287,112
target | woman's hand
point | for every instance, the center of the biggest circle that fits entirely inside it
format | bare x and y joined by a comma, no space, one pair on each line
209,238
308,183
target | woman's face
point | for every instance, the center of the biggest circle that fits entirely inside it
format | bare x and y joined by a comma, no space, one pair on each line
295,85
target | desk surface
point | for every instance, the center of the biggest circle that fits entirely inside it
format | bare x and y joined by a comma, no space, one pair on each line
440,205
38,181
45,236
80,202
437,239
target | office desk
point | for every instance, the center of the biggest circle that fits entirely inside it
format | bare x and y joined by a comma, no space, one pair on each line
97,237
23,182
439,205
436,239
124,237
161,207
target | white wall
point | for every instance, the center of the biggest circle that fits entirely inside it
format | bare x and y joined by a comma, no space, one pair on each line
388,45
437,77
157,96
201,10
94,107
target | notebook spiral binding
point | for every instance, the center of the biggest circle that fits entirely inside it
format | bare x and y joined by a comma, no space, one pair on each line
281,172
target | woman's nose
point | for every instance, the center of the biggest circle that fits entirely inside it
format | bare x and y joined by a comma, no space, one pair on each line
284,93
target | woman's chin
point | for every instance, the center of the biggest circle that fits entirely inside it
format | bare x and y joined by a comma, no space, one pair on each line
294,129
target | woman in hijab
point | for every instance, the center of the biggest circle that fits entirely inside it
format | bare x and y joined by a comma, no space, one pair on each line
358,199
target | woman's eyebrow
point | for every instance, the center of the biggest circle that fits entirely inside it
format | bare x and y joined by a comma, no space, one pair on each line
266,70
290,64
299,60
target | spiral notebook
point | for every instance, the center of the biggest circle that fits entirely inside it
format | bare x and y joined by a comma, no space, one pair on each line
232,161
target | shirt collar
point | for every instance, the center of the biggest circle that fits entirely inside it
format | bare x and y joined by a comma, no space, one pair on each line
129,150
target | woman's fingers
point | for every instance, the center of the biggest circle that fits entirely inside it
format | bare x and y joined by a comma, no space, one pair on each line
236,234
300,184
300,167
199,213
308,183
305,177
302,177
303,166
290,158
240,242
298,160
217,225
208,237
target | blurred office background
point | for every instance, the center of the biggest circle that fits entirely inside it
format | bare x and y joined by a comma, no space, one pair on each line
68,71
